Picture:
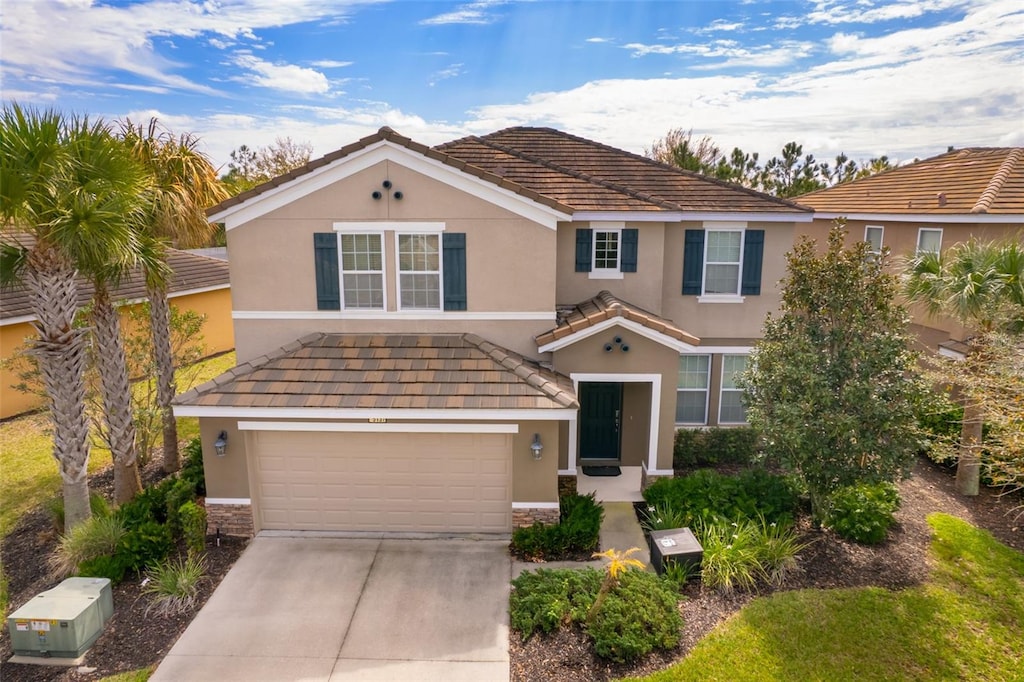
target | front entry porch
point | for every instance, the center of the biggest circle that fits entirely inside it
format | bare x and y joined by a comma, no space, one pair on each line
622,488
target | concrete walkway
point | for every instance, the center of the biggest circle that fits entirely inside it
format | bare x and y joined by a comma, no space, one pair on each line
330,609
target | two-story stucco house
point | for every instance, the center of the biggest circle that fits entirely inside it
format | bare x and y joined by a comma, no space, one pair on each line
433,339
929,205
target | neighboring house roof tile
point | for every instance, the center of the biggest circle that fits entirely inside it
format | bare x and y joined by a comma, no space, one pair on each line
379,371
978,180
605,306
189,271
561,171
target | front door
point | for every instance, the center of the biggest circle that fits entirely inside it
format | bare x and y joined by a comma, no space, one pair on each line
600,421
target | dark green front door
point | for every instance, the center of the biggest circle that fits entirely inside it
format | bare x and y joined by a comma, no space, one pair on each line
600,420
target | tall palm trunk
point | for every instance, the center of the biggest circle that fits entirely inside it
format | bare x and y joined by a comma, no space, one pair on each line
160,324
968,468
117,397
60,350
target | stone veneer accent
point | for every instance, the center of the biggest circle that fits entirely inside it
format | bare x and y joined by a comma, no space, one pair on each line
566,486
231,519
522,518
646,480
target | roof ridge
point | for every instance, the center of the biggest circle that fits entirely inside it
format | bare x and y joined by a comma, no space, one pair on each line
664,166
586,177
522,368
248,367
998,180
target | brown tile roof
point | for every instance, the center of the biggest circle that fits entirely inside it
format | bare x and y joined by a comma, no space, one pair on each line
978,180
364,371
188,271
605,306
564,172
590,176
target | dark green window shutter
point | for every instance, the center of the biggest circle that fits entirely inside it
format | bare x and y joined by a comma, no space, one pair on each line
630,239
325,259
584,249
753,254
454,251
693,263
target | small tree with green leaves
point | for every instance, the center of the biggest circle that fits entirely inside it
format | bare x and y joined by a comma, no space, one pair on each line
832,385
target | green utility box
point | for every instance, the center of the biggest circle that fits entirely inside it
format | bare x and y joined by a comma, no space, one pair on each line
62,622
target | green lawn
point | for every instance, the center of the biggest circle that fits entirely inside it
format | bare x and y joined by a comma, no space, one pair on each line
28,472
965,623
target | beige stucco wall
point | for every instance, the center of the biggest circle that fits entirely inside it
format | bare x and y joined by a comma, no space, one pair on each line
510,261
218,336
645,356
532,480
725,320
636,423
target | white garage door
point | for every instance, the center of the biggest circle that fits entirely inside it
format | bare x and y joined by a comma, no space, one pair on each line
398,482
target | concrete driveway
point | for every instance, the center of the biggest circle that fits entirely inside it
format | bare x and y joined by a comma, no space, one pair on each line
328,609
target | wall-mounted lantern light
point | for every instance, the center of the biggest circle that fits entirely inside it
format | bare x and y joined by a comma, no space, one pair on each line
221,444
536,446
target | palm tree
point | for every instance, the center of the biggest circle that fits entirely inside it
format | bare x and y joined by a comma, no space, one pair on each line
185,185
68,201
981,285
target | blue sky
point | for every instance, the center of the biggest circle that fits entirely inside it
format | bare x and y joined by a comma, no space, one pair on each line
864,77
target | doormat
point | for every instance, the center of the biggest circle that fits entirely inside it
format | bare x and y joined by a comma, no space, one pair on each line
602,471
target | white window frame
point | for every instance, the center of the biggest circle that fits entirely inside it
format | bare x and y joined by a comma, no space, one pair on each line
881,239
735,297
606,273
399,272
920,233
383,269
706,389
722,390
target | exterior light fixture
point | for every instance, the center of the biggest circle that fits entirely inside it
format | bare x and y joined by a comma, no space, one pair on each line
221,444
376,195
398,196
536,446
386,184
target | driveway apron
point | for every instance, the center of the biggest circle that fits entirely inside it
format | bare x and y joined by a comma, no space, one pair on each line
324,609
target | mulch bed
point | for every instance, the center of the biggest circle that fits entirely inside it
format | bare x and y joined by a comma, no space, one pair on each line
828,562
132,639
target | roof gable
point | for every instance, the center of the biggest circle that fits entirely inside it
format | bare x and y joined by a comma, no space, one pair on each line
973,181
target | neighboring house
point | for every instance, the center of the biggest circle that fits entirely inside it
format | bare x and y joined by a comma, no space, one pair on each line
436,339
198,283
929,205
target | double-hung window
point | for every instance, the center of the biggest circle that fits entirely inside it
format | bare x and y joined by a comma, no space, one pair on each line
731,409
929,240
873,236
692,389
419,271
362,271
722,261
607,250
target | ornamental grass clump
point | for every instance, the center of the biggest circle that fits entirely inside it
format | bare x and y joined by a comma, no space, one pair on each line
731,556
96,537
174,585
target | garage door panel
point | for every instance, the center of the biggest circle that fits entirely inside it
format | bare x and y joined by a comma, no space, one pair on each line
384,482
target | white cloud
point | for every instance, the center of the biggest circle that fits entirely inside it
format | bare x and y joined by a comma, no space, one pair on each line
331,64
730,53
720,25
453,71
470,13
283,77
596,39
843,43
830,12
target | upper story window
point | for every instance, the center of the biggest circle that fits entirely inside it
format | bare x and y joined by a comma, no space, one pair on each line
606,250
873,236
731,409
419,271
362,271
722,263
929,240
692,389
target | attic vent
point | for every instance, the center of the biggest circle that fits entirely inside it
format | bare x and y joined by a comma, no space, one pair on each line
941,196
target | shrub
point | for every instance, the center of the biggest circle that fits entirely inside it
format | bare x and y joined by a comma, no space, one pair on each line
90,539
638,616
145,544
702,447
863,513
545,599
150,505
107,566
179,492
705,496
192,466
55,508
577,532
174,585
193,526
